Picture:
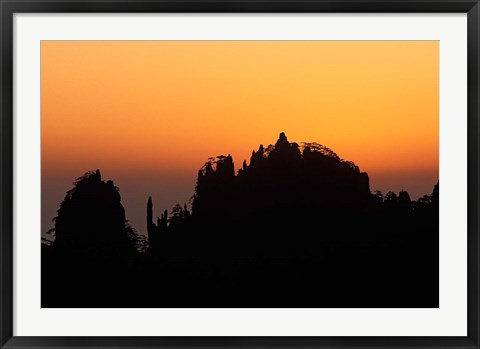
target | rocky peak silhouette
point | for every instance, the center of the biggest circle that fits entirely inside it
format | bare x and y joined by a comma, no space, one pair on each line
282,143
91,216
285,187
280,175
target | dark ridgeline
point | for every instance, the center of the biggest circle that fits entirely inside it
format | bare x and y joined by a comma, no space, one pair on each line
296,227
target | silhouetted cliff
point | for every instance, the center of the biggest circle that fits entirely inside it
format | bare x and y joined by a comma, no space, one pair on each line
93,259
281,179
286,187
91,216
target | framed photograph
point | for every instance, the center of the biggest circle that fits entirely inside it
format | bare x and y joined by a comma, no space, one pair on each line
240,173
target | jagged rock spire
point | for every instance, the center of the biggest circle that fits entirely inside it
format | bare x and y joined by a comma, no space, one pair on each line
91,215
282,141
149,210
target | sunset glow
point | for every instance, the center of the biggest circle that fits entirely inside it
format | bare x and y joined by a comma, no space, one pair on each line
148,114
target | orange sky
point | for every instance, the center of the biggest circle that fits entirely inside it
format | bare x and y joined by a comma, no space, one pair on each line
150,113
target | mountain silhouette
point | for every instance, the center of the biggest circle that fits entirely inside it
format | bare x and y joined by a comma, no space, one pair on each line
280,180
295,227
92,216
282,177
94,245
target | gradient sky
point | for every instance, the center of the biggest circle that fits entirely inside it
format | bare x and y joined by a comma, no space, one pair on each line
148,114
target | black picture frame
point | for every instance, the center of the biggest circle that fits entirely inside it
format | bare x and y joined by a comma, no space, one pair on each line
7,10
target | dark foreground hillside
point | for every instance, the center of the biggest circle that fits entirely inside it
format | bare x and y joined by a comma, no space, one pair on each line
296,227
